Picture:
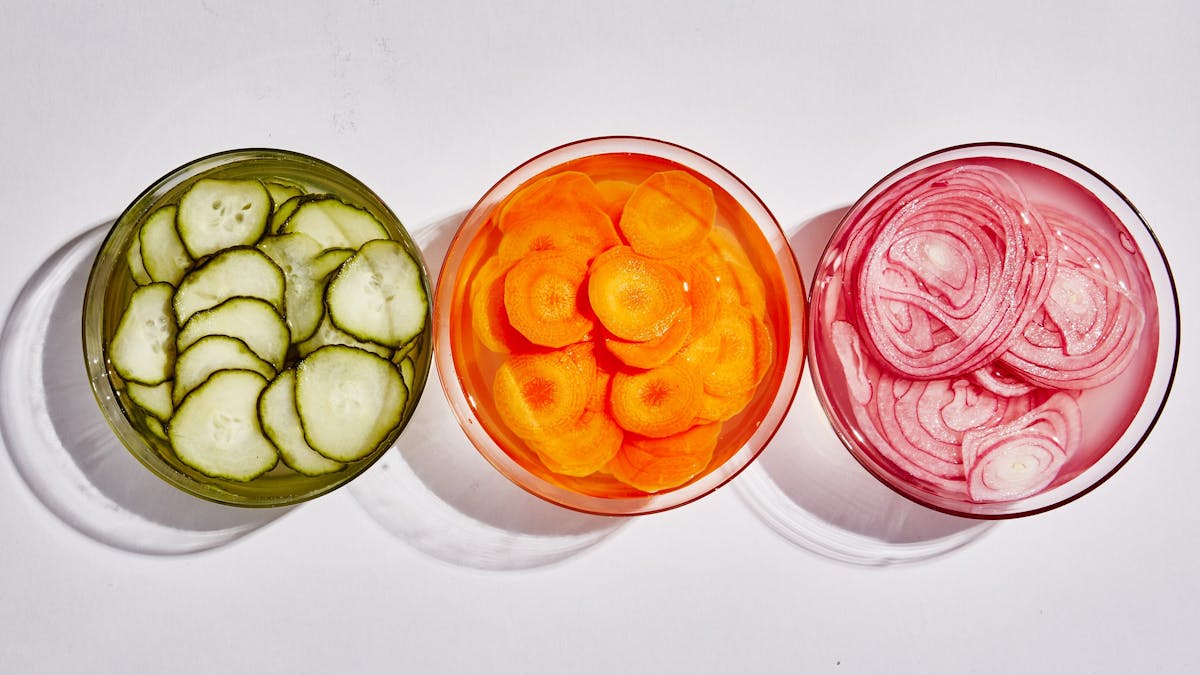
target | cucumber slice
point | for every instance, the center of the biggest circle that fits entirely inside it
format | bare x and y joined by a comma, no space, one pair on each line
163,253
334,223
408,371
137,269
348,400
329,334
251,320
378,295
304,286
241,271
331,259
143,347
216,214
210,354
283,211
216,430
280,420
405,350
281,192
155,400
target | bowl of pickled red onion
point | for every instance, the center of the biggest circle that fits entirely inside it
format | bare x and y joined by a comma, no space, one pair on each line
994,330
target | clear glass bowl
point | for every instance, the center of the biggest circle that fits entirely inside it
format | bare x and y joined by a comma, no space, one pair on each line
466,368
110,285
879,402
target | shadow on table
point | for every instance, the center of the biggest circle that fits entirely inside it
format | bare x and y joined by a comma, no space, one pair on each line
809,489
434,491
60,443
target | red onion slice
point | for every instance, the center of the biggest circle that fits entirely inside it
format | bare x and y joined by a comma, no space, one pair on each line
953,267
1086,331
1021,457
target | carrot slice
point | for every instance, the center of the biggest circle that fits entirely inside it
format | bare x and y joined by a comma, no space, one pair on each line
489,318
584,228
542,298
668,215
542,393
636,298
656,464
700,284
655,352
744,355
737,280
566,190
720,408
658,402
583,448
615,193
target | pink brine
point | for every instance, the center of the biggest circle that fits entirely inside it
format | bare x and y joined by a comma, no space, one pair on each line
984,329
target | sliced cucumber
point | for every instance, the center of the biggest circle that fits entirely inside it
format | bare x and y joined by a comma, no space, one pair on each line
241,271
329,334
155,400
163,253
335,224
348,400
408,371
281,192
216,430
280,420
217,214
137,269
251,320
331,259
210,354
283,211
143,347
378,295
304,285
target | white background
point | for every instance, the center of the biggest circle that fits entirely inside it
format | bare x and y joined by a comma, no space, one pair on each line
429,104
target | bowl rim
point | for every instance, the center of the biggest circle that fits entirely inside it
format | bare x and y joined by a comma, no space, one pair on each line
100,379
792,291
1174,335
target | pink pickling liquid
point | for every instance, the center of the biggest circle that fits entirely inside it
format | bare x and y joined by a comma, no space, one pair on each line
1105,411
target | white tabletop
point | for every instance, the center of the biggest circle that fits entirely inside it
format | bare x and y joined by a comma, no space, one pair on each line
431,562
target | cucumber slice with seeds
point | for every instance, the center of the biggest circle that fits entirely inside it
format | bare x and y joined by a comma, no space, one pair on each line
378,295
216,429
241,271
163,253
143,347
281,422
335,224
251,320
348,401
329,334
210,354
217,214
296,255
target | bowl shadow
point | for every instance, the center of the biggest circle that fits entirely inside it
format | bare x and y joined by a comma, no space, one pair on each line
809,489
434,491
60,443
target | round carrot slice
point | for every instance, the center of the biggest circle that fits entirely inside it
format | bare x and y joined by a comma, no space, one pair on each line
656,352
582,449
583,228
542,298
550,194
668,215
657,464
744,355
489,318
615,193
656,402
542,393
636,298
721,408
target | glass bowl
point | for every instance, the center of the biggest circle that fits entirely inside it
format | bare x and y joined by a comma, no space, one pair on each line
994,330
571,459
111,283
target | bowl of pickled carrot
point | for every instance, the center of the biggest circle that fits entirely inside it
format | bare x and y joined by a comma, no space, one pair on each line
619,325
